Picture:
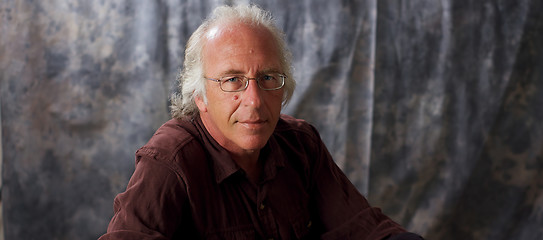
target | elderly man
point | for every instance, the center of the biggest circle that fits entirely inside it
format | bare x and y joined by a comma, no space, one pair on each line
229,165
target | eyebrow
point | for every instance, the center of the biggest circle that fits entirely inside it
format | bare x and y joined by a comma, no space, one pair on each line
239,72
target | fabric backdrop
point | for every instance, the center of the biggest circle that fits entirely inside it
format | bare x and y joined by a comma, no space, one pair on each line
432,108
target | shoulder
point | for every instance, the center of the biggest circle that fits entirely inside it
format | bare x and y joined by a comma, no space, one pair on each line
170,140
290,125
297,134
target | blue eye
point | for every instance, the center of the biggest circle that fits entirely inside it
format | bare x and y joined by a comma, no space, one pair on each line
267,78
231,79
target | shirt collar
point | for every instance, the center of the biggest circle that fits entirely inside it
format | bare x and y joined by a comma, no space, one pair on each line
273,158
223,164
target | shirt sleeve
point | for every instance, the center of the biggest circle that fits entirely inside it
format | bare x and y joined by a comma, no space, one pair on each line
406,236
151,206
344,213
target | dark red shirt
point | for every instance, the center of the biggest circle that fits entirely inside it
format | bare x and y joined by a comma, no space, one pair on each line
186,186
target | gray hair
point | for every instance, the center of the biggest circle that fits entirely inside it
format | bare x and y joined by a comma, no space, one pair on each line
191,80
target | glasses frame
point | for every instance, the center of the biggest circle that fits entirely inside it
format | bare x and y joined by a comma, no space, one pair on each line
246,79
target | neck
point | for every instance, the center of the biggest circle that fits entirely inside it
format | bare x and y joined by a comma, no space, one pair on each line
250,164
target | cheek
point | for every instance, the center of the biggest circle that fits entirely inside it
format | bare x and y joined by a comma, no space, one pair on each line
223,107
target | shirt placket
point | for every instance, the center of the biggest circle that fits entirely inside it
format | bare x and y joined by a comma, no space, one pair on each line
265,214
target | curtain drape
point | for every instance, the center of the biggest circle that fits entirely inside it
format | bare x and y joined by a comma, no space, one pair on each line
433,109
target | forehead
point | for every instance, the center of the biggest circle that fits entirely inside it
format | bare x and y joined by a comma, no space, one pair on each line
233,40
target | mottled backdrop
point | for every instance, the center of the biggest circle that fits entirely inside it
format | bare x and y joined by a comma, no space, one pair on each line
433,109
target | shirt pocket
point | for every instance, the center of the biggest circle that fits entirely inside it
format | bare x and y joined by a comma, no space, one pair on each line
241,233
301,224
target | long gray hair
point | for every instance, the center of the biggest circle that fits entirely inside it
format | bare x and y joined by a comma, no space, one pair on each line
191,80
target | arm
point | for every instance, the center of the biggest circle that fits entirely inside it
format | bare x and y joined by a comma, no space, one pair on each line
344,212
406,236
151,206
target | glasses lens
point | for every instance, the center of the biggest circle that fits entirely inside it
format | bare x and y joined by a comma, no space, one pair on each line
232,83
271,81
239,83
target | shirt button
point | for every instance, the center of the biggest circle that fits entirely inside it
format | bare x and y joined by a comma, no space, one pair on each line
262,206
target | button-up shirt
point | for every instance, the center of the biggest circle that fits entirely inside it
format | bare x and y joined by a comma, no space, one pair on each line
186,186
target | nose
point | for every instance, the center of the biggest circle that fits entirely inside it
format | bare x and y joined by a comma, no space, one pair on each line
252,95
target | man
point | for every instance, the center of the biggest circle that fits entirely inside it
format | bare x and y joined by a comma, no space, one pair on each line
229,165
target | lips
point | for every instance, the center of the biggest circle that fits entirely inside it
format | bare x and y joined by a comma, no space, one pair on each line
253,121
253,124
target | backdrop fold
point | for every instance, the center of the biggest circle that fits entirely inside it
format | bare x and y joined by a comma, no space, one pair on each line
432,108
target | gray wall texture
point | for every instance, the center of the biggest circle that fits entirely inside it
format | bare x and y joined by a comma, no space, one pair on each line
432,108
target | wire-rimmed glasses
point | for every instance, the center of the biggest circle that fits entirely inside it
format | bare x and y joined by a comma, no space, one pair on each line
237,83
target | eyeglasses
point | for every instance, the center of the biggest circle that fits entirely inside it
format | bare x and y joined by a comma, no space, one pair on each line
237,83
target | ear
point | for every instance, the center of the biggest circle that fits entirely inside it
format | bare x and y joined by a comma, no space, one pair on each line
200,103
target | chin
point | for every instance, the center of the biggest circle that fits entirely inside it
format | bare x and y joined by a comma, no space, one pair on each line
254,144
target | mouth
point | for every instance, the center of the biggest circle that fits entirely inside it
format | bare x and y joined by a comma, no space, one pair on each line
253,124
